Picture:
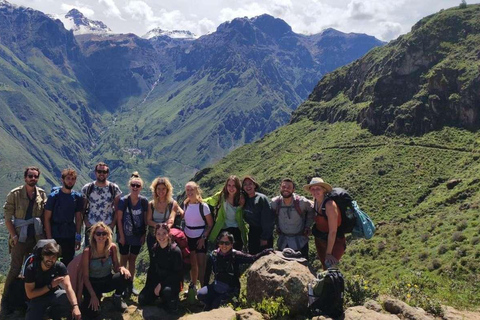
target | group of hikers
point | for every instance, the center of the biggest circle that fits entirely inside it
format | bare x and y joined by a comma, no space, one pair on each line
235,226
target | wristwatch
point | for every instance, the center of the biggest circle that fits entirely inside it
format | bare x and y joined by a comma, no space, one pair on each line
204,237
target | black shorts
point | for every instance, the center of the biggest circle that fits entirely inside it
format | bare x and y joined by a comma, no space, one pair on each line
192,245
126,249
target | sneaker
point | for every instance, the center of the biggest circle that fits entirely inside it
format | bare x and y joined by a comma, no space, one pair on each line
119,303
135,292
192,293
127,293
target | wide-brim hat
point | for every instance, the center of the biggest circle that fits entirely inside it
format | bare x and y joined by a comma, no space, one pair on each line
316,181
252,179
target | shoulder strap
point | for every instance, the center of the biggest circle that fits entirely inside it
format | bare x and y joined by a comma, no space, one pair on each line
296,204
200,208
90,189
278,202
111,189
130,211
144,203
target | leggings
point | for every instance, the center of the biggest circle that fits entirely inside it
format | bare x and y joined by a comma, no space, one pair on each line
109,283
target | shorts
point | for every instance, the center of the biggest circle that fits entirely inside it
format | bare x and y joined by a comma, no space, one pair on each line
126,249
192,245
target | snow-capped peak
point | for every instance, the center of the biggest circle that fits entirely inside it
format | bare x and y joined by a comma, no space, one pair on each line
76,21
176,34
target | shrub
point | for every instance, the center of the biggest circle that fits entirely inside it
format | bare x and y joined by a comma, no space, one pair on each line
442,249
458,236
423,255
358,291
424,237
462,225
416,291
463,4
475,240
434,265
273,307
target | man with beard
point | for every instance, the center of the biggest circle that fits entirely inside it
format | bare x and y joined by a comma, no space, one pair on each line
101,200
294,218
42,280
23,210
259,217
63,216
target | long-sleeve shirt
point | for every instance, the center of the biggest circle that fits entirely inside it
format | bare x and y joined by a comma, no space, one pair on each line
166,268
258,214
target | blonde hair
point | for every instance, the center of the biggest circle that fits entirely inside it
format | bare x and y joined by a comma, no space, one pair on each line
198,192
153,187
93,242
135,177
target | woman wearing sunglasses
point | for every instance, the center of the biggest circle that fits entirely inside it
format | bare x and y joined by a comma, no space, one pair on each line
131,214
224,262
165,273
98,261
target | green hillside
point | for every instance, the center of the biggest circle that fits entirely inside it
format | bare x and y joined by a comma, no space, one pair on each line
399,129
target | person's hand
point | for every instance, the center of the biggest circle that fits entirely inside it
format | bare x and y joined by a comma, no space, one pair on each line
157,289
57,281
121,240
76,314
201,243
330,261
94,303
307,231
112,225
13,241
125,273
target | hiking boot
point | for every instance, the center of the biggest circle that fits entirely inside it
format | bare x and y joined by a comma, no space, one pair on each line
119,303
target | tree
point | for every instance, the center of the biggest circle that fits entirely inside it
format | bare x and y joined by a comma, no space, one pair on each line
463,4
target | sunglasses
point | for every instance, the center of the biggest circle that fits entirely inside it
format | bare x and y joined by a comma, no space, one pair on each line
227,243
134,185
102,171
101,233
32,176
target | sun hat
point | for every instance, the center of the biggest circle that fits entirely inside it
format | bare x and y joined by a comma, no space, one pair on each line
317,181
257,186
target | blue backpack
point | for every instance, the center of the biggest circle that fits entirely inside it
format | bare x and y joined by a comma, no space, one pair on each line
364,227
65,225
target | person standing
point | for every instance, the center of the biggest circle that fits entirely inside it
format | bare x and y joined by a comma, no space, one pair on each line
102,198
294,218
42,281
259,217
23,212
131,214
229,218
330,244
63,216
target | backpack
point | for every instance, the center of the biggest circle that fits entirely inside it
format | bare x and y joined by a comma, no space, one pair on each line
325,293
201,213
179,237
365,228
296,204
344,203
111,189
36,255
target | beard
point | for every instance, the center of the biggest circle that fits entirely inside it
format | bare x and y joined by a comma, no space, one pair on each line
32,183
102,179
66,186
286,194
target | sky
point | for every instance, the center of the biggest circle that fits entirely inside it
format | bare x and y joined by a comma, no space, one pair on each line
384,19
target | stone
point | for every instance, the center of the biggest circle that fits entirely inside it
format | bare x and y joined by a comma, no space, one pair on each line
453,183
373,305
396,306
249,314
216,314
272,276
362,313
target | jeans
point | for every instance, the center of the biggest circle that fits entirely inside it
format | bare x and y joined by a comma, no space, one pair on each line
57,304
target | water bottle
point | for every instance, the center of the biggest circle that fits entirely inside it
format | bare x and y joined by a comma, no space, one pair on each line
311,296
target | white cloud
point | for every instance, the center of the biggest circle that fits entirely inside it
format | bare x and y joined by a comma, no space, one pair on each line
112,9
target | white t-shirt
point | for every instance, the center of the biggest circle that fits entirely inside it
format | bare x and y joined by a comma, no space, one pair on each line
193,218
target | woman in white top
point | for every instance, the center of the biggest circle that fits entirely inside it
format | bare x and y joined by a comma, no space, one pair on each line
162,209
198,224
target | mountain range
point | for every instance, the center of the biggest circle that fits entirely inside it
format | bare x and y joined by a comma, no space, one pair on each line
162,105
398,128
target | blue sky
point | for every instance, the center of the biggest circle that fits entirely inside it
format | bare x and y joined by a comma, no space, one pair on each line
385,19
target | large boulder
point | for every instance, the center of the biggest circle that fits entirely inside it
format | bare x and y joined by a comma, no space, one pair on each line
216,314
272,276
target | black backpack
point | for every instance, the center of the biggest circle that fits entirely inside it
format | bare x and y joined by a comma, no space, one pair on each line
326,293
344,202
36,255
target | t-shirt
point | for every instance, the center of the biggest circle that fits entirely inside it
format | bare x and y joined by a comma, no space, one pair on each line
63,207
230,212
138,215
34,273
193,218
101,203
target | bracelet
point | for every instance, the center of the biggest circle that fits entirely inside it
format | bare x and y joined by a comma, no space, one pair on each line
15,236
49,286
78,237
75,305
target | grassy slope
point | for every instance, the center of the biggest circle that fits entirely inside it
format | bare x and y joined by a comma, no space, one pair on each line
400,182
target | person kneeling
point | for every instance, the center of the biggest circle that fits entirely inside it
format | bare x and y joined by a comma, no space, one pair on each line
98,261
164,275
42,280
224,262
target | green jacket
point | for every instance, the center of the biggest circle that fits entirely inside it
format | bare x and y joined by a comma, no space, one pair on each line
17,202
220,221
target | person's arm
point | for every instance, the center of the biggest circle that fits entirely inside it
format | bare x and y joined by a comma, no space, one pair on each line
332,216
94,301
46,223
78,229
149,218
9,210
121,233
180,211
72,298
208,228
116,263
32,293
115,212
310,212
173,214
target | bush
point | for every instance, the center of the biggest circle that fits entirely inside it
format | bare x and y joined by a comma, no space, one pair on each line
416,291
463,4
442,249
458,236
358,291
273,307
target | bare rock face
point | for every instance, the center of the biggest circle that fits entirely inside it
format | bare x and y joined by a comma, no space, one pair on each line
357,313
249,314
271,276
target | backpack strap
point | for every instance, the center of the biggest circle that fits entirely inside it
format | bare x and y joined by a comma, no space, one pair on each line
201,209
